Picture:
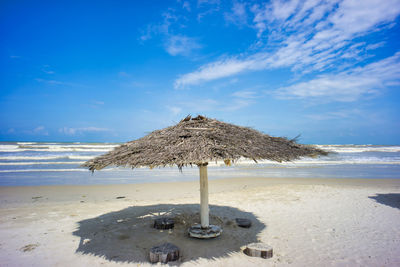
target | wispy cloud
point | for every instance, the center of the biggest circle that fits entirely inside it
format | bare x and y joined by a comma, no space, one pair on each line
306,36
375,46
236,101
163,28
207,7
208,2
237,14
181,45
80,131
246,94
339,114
348,85
39,130
47,69
52,82
124,74
60,83
174,44
174,110
95,104
220,69
237,104
185,5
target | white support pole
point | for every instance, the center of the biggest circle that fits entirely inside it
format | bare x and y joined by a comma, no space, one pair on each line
204,212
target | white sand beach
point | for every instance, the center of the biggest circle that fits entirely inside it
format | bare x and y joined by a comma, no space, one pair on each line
308,222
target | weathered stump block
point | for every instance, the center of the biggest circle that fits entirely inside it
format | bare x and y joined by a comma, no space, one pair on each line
258,250
164,223
242,222
164,253
211,231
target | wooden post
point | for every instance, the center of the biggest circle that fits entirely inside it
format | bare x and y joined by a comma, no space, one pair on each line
204,212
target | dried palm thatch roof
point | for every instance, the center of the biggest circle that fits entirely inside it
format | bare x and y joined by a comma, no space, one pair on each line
199,140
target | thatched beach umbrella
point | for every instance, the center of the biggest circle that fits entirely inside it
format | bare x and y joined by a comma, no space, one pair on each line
197,141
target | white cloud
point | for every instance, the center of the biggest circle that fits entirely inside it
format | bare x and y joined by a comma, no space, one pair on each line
306,36
339,114
55,82
241,99
40,130
219,69
52,82
186,5
375,46
348,85
247,94
181,45
95,103
79,131
281,10
236,101
200,105
48,71
163,28
124,74
237,104
174,110
237,15
174,44
208,2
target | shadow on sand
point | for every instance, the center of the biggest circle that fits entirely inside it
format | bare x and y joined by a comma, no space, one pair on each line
392,200
127,235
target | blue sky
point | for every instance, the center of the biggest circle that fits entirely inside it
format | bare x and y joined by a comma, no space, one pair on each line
116,70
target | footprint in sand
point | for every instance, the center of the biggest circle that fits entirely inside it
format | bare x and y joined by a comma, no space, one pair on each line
29,247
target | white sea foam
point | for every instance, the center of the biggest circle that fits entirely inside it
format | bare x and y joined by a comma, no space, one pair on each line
56,147
317,161
358,148
85,147
40,163
56,170
337,162
45,170
57,150
45,157
8,148
81,157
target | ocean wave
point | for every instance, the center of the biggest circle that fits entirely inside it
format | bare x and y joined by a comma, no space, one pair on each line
8,148
51,148
56,147
340,162
40,163
45,170
56,150
77,147
58,170
303,162
358,148
45,157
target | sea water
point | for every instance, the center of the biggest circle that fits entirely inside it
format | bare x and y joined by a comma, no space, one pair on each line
34,163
